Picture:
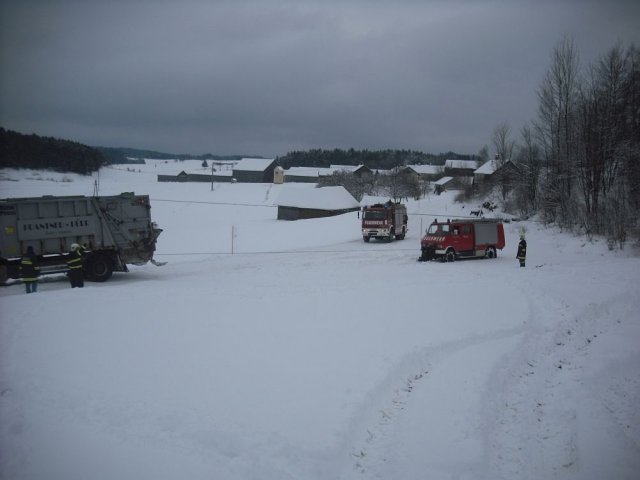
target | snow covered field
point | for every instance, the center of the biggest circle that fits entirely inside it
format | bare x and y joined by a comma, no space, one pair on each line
267,349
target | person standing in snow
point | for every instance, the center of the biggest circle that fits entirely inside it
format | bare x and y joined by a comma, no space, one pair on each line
74,262
522,251
30,270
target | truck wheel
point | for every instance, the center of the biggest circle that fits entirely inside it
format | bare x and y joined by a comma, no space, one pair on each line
366,239
491,252
450,256
402,235
99,268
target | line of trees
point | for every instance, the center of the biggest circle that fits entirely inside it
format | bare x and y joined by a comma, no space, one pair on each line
580,158
374,159
32,151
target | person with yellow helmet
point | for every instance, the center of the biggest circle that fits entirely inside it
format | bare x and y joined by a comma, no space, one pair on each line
74,263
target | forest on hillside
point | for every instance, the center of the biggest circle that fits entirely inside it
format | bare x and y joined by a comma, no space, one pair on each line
32,151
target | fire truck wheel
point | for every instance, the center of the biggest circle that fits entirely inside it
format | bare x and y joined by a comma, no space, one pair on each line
491,252
450,256
366,239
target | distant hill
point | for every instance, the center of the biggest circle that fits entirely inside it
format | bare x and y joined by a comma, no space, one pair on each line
32,151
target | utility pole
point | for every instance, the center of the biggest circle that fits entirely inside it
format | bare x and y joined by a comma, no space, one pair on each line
96,184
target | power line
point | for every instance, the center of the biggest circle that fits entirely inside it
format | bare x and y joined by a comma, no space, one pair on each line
214,203
236,204
283,252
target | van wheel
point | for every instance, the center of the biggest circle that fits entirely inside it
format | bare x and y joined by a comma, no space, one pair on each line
491,252
99,267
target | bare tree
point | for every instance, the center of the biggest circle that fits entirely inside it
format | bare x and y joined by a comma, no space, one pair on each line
504,147
556,125
503,144
529,162
358,186
601,115
399,184
609,146
483,154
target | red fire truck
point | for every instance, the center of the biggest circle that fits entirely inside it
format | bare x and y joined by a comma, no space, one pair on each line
384,221
456,239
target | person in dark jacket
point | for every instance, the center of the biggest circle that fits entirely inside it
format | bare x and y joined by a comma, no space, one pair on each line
522,251
74,263
30,270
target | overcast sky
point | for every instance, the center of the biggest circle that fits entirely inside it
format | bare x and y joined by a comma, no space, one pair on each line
265,77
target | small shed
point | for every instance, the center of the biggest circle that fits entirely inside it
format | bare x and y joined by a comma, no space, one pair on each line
305,203
254,170
185,177
491,170
442,184
426,172
357,170
304,174
278,175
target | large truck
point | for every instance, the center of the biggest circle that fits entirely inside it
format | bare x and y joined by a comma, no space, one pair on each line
384,221
454,239
113,231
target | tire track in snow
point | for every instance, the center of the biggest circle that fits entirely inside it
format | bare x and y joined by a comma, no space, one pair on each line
536,424
370,452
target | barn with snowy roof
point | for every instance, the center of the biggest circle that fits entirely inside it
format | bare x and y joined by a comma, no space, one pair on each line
304,203
494,170
254,170
456,168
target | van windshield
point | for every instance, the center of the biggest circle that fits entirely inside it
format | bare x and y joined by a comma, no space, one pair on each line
438,229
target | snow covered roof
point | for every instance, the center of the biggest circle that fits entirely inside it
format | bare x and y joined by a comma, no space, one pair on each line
461,164
426,169
253,164
443,181
325,198
487,168
307,171
343,168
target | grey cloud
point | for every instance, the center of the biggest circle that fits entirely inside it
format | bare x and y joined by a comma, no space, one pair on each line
266,77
